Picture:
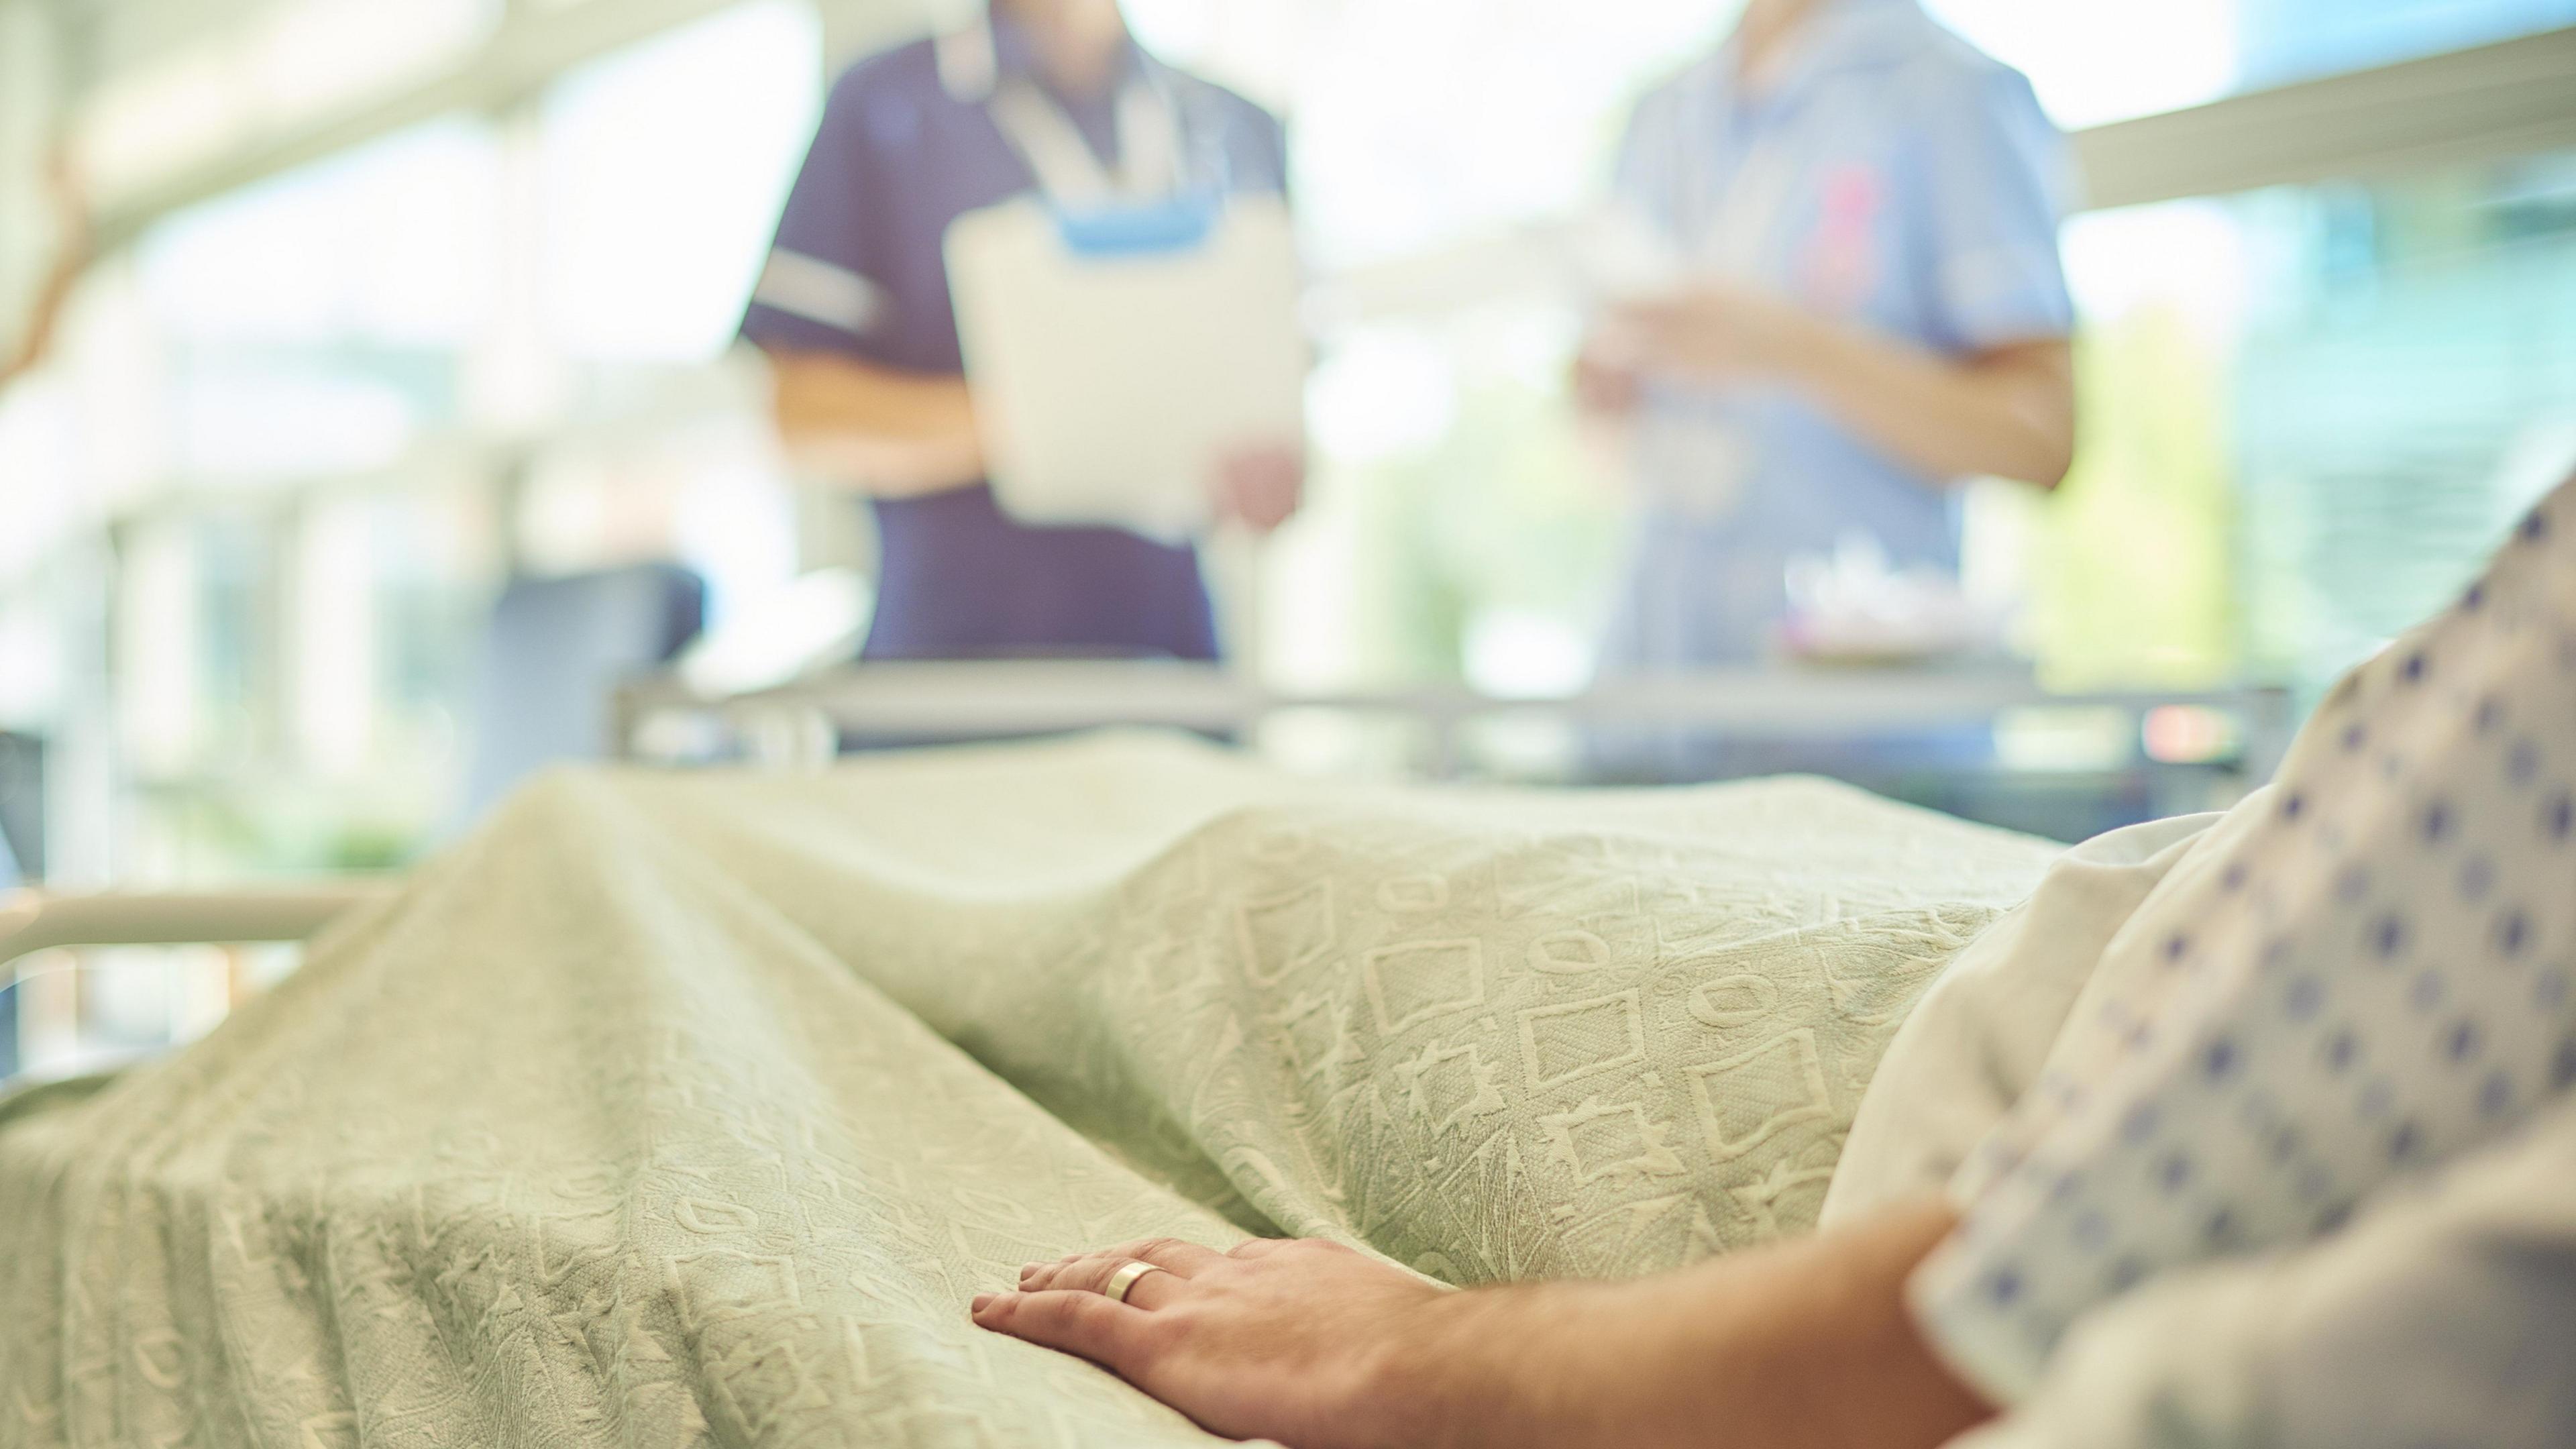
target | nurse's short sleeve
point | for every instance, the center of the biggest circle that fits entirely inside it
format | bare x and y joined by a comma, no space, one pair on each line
822,287
1992,175
1256,148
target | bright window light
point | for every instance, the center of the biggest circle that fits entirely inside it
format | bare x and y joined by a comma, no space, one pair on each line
394,243
255,426
1385,391
666,165
2187,257
285,65
2097,62
320,55
151,123
1523,654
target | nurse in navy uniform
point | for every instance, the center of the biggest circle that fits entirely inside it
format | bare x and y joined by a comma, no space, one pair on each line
853,311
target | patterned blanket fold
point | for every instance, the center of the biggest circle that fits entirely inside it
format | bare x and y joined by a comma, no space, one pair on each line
682,1109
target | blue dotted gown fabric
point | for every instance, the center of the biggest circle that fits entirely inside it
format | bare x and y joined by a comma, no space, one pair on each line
2359,993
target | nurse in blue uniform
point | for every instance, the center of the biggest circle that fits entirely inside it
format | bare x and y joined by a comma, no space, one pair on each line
853,312
1867,207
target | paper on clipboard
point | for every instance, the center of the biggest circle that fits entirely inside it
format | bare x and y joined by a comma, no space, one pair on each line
1117,356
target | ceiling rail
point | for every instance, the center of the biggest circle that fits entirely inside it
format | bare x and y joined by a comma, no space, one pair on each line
2510,98
2490,103
530,47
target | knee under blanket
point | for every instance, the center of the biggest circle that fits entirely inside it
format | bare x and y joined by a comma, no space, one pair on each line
670,1110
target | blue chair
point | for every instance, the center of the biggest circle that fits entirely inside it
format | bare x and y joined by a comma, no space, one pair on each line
8,987
22,793
556,649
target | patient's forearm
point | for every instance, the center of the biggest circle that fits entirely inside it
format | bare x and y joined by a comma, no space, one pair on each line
1801,1345
1807,1343
876,430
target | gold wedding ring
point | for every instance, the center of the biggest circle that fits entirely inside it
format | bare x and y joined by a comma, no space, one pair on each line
1125,1278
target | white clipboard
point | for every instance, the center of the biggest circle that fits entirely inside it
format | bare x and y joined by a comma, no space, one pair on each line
1117,354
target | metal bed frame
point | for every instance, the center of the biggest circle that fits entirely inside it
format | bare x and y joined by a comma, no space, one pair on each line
802,725
36,921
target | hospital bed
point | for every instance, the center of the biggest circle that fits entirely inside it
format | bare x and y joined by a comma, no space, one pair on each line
677,1105
660,719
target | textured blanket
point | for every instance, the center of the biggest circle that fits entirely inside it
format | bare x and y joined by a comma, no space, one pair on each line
670,1110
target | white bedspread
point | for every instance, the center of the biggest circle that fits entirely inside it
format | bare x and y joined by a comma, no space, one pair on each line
678,1109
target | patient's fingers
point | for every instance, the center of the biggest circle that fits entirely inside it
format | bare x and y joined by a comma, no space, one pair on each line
1090,1271
1086,1324
1185,1258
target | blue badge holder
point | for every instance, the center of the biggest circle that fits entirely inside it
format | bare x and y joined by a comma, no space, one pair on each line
1143,228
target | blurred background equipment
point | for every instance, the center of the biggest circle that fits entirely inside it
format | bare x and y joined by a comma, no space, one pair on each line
343,329
557,651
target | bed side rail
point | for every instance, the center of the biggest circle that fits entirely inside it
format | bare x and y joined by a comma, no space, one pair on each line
40,920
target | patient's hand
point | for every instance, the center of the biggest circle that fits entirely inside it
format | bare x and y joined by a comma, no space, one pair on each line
1805,1342
1292,1340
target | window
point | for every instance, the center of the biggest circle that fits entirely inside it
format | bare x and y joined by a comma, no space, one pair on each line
2310,412
665,166
170,106
2109,60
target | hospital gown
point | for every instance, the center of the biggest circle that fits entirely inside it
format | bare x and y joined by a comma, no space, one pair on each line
2308,1174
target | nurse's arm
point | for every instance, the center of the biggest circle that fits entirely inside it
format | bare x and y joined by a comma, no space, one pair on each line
875,430
2003,412
2006,411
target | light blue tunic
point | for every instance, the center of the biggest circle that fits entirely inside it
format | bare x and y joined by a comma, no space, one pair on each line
1889,175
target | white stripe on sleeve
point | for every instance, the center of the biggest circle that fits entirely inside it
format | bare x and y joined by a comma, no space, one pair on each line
819,291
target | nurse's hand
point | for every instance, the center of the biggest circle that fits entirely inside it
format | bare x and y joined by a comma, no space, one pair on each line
1261,487
1605,377
1713,332
2005,410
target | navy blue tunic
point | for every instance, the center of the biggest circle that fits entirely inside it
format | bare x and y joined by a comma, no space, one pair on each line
857,269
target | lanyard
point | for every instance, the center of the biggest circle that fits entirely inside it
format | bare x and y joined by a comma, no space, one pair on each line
1737,219
1738,234
1149,143
1057,155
